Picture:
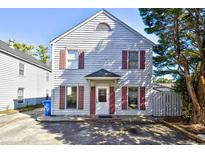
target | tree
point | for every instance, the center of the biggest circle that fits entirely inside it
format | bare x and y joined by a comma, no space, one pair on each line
180,49
23,47
163,80
42,53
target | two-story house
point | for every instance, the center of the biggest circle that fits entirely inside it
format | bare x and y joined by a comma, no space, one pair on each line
101,67
24,80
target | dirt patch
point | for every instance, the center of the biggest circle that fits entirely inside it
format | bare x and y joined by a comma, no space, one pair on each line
193,128
185,124
7,112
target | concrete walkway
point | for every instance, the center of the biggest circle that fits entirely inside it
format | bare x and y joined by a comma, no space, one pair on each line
139,119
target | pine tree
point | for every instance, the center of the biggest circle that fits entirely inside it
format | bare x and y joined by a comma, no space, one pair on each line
180,49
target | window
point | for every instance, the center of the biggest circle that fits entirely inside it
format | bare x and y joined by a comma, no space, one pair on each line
72,59
21,69
132,98
71,98
20,95
102,94
133,59
103,27
47,76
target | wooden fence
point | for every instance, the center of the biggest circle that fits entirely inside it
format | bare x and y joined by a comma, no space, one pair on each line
166,103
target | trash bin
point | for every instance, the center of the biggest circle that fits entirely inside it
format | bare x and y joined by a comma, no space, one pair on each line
47,107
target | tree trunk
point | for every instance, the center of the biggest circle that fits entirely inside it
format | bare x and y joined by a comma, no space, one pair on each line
198,114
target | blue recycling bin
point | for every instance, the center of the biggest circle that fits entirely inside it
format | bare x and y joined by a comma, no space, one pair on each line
47,107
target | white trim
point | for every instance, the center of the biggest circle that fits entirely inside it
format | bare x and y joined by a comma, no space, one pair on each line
112,17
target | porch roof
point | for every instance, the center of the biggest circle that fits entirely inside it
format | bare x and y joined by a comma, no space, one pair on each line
102,74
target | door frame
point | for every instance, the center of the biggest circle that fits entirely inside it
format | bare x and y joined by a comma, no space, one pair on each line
107,97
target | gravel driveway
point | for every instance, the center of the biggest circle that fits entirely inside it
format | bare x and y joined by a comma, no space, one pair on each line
22,128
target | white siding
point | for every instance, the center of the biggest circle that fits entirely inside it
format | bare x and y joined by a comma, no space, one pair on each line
102,50
34,82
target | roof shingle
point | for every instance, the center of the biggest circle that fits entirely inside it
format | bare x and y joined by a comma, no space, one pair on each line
4,47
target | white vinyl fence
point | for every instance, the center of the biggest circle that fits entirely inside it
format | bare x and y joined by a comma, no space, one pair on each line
166,103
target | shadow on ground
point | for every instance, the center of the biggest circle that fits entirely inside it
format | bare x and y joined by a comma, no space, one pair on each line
22,128
113,133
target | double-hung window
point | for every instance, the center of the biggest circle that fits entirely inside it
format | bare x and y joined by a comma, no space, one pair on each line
71,98
21,69
132,97
72,59
133,59
20,95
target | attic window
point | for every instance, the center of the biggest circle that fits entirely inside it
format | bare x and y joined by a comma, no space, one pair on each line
103,27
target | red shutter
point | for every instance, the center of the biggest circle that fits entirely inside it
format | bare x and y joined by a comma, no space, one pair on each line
62,97
112,100
80,97
62,60
142,98
92,100
124,98
124,59
81,60
142,59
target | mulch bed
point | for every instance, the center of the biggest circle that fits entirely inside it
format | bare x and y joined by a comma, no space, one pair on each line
185,124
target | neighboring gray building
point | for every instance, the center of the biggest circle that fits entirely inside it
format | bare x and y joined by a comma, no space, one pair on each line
101,67
23,79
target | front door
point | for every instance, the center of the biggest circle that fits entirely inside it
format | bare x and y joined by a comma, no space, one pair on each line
102,100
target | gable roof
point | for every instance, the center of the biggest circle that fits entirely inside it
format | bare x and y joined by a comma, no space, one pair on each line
102,73
112,17
4,48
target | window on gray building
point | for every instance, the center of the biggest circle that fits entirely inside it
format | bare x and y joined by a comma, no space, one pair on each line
21,69
20,94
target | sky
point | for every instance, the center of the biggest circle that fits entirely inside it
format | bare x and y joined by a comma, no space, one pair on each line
40,26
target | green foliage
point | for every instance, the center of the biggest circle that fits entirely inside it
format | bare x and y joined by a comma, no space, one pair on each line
176,39
23,47
180,51
163,80
40,52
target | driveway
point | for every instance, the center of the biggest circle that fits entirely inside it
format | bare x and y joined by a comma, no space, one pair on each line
21,128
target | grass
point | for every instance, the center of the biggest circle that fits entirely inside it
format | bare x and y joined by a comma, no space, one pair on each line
30,108
23,109
8,111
